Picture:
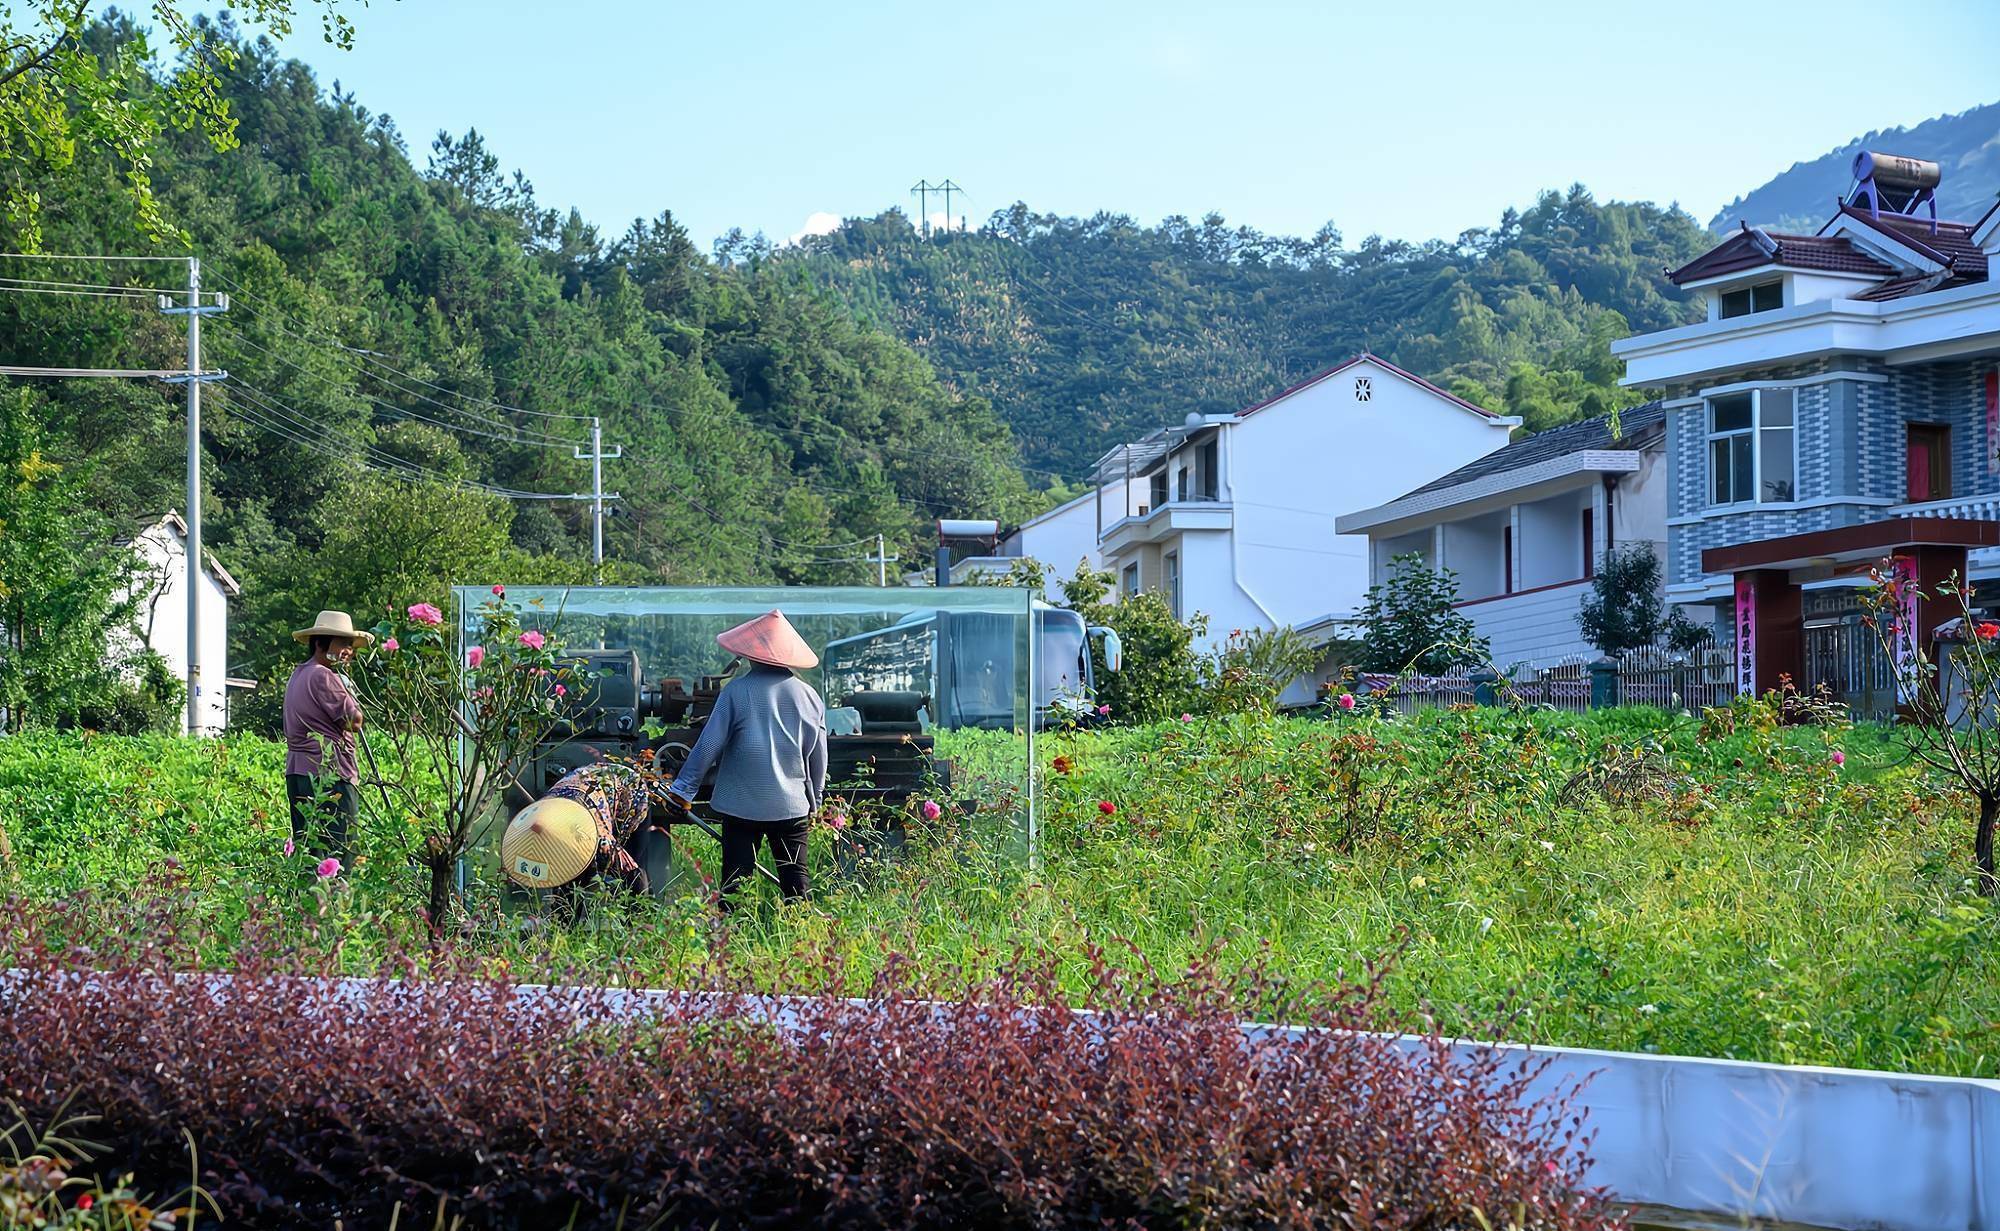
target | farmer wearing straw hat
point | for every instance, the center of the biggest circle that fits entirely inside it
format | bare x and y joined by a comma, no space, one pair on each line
583,828
766,743
321,716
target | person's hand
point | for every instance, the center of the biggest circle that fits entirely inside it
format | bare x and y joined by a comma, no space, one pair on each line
677,802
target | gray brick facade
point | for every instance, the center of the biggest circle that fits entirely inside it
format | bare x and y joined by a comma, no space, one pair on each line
1852,452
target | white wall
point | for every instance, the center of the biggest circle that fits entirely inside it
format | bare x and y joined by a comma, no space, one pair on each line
1208,586
1476,549
1639,505
162,620
1295,465
1537,630
1548,547
1061,538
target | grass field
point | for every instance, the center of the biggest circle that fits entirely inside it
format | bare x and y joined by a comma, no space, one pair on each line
1623,880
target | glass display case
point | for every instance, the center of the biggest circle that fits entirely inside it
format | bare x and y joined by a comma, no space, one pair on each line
933,696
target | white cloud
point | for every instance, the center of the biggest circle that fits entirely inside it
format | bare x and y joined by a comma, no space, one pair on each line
819,222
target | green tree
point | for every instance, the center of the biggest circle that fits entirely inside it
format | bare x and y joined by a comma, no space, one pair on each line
1623,610
61,90
66,591
1410,623
1161,674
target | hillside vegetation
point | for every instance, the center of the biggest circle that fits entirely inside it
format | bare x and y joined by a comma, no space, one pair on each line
1965,146
386,317
1086,332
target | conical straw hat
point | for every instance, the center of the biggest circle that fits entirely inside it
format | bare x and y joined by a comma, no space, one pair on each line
548,843
769,639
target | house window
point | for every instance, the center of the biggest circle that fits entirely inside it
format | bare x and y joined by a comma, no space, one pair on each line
1762,297
1158,488
1173,562
1129,580
1211,470
1751,449
1181,484
1929,462
1589,545
1506,559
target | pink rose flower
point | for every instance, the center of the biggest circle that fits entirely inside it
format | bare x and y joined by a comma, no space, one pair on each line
499,591
837,821
328,868
1106,807
475,656
532,639
427,615
390,645
1346,701
1104,711
931,810
288,848
1839,757
1187,717
561,691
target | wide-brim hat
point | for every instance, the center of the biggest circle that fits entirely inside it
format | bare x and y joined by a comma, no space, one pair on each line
549,843
334,624
769,639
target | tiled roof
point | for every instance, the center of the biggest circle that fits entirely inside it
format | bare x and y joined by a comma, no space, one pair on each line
1831,253
1635,426
1951,245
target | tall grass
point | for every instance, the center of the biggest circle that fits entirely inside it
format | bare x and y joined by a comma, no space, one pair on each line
1716,893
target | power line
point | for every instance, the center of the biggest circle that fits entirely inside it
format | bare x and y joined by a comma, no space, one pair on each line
85,256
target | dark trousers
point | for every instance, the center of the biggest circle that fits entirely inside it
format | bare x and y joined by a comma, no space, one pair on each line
788,849
323,812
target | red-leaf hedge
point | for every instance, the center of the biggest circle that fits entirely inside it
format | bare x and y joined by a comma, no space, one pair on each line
313,1099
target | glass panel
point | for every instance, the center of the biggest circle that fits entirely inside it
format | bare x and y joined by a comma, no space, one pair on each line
930,693
1777,465
1729,414
1774,407
1735,303
1718,471
1742,471
1767,296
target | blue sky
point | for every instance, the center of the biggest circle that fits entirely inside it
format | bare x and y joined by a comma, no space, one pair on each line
1410,119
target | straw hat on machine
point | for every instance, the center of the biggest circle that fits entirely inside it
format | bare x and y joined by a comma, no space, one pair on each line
548,844
769,639
335,624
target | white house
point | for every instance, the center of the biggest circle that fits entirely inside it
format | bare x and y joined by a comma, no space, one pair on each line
161,545
1234,515
1524,527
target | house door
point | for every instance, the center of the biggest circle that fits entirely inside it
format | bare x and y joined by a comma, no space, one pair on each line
1929,462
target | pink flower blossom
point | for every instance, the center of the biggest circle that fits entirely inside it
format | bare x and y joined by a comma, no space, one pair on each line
390,645
328,868
931,810
1187,717
1346,701
1104,711
475,656
1839,757
836,821
499,591
288,848
561,691
532,639
427,615
1106,807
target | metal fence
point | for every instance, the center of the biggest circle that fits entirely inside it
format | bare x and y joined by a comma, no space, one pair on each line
1690,681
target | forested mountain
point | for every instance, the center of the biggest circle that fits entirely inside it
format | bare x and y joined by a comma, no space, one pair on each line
1083,333
389,323
1965,146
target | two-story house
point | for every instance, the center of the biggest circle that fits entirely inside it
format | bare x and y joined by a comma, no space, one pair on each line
1523,528
1233,515
1838,406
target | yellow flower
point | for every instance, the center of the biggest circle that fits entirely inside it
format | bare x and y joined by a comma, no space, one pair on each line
1418,882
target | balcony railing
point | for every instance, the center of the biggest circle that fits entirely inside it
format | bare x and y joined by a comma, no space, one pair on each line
1975,508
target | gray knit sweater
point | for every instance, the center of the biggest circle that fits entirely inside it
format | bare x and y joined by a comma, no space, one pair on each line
766,742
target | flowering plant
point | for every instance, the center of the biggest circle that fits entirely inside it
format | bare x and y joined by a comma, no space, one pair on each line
1947,673
460,721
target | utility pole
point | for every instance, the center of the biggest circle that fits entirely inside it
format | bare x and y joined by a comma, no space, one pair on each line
597,496
922,190
948,188
194,378
881,560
